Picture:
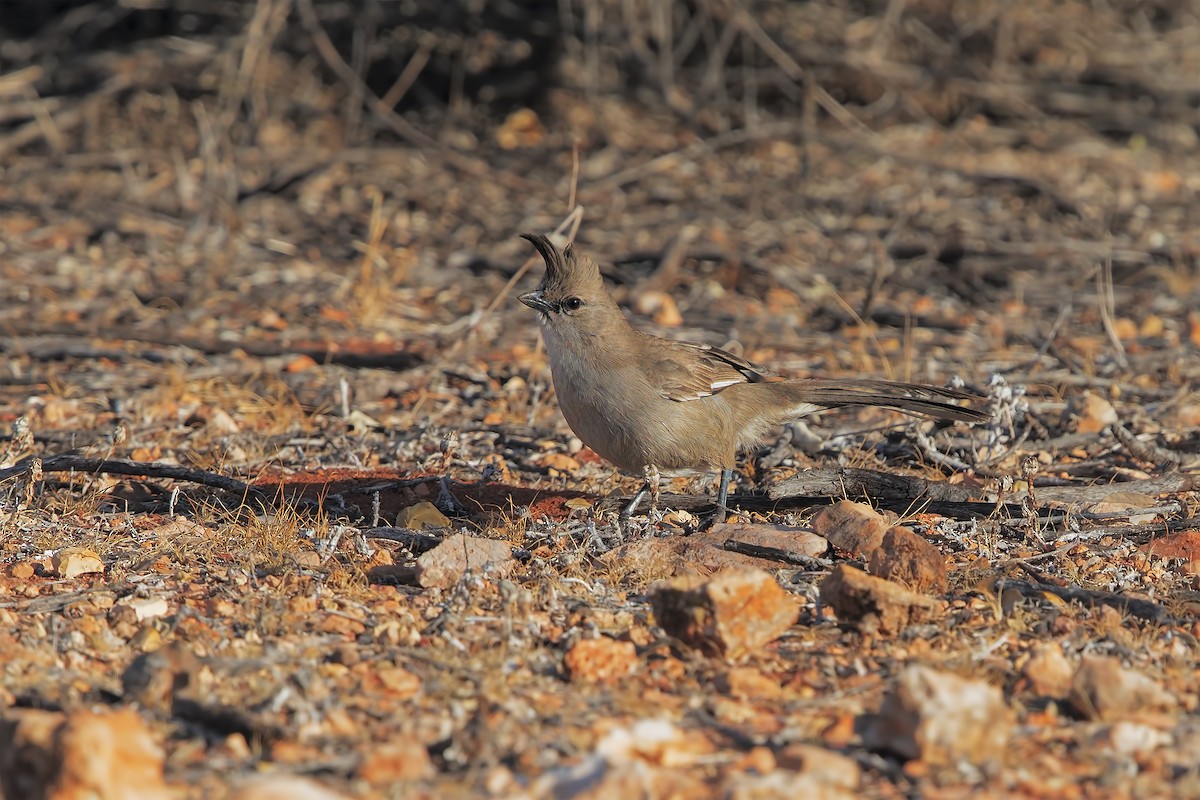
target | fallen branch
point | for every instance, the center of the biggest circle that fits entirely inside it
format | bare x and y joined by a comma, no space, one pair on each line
1171,483
70,462
778,554
1160,456
850,482
1143,609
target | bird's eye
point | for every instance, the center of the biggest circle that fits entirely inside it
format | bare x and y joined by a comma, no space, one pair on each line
573,304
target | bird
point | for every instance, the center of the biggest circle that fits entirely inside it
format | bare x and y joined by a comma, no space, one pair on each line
650,405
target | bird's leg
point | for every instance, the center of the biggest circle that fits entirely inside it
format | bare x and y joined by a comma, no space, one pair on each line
722,497
650,473
627,512
650,486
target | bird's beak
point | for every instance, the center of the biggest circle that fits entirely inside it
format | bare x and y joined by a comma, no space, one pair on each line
534,300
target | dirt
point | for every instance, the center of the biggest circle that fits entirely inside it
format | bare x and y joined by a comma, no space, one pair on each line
216,256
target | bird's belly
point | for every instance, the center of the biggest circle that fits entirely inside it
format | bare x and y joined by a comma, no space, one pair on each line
675,437
616,438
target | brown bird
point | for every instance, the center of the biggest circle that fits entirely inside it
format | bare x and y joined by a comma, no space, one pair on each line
649,404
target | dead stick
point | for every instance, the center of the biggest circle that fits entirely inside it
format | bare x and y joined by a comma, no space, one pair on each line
70,462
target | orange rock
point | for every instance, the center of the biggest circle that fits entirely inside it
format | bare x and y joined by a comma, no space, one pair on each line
941,719
71,562
654,741
559,461
853,527
445,564
402,759
107,755
873,604
335,623
399,682
704,553
1047,673
1125,328
422,516
600,660
1185,545
522,128
733,614
1096,414
1102,689
751,683
759,759
908,559
830,767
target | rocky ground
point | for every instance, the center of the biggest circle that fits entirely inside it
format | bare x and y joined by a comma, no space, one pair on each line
287,505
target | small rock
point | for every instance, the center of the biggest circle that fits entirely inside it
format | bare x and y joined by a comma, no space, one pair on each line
1104,690
1096,414
219,421
654,741
750,683
559,463
777,537
401,759
285,787
306,558
445,564
71,562
703,553
1131,502
600,660
422,516
735,613
500,781
908,559
144,608
852,527
757,760
579,504
828,767
650,758
22,570
1130,738
216,419
340,625
680,518
1047,673
236,746
873,604
1185,545
399,683
652,557
940,718
661,306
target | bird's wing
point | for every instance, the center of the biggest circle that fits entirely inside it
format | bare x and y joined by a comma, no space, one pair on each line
687,371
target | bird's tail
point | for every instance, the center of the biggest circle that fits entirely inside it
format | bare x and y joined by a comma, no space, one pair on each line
928,401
